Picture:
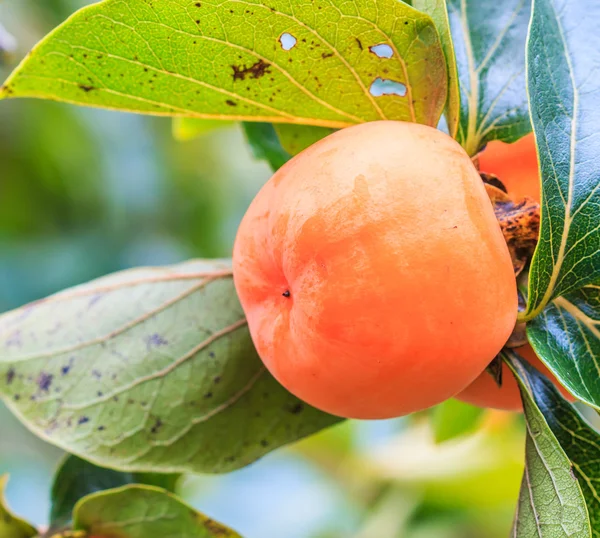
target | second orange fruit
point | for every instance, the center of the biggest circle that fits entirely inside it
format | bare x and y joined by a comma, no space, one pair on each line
516,165
373,273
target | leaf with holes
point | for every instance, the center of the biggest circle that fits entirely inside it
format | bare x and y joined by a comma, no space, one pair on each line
10,525
559,495
438,10
77,478
148,370
563,52
141,512
489,42
307,62
566,335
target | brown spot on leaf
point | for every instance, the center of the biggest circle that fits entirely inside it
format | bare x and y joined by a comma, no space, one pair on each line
256,71
86,89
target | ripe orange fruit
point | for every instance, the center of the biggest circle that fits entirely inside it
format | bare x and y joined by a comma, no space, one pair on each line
484,392
373,273
516,165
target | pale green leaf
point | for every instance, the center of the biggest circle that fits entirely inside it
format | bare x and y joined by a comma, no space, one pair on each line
77,478
305,62
10,525
438,11
453,419
185,129
559,497
489,42
564,91
148,370
144,512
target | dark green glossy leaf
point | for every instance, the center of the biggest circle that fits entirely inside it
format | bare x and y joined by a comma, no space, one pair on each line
559,497
10,525
306,62
149,370
566,335
144,512
296,138
489,42
265,144
453,419
438,11
77,478
564,91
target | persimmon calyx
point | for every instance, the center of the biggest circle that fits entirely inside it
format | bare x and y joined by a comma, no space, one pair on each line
519,222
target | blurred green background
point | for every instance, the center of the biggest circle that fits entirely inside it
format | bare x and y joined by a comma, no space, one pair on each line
87,192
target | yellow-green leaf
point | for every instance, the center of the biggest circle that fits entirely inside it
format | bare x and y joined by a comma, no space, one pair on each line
305,62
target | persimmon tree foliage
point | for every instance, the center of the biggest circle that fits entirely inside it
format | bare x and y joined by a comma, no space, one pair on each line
152,372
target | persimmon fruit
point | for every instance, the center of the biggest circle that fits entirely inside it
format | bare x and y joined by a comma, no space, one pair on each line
485,392
373,273
516,166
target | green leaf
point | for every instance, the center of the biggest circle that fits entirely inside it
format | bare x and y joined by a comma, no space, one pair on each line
560,489
149,370
566,336
144,512
296,138
438,11
564,90
10,525
307,62
185,129
77,478
265,144
489,42
453,419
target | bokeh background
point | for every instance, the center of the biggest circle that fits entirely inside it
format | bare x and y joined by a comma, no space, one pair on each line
86,192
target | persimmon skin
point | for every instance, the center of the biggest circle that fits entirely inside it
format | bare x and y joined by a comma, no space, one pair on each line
515,165
373,273
485,392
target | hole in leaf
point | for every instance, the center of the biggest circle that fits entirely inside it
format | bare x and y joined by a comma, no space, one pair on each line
382,86
382,51
288,41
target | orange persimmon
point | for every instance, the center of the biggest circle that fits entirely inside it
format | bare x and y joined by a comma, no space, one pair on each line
515,165
373,272
485,392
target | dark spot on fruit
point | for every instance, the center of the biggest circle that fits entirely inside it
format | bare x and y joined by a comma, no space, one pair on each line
286,294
